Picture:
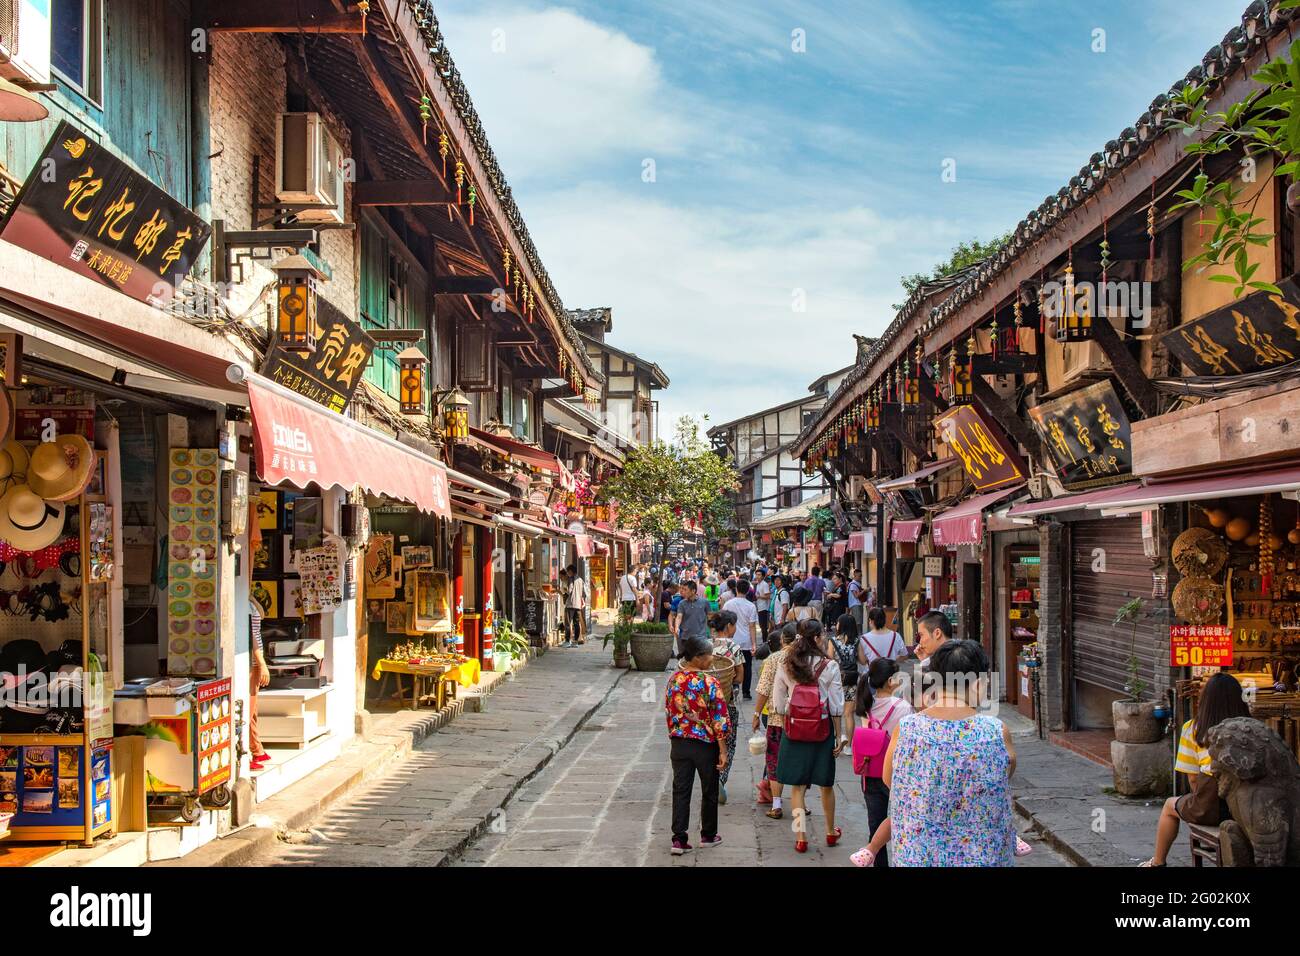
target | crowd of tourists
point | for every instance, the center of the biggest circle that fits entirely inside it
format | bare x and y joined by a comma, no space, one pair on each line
834,678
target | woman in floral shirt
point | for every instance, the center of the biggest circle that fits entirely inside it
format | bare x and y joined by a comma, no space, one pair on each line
697,724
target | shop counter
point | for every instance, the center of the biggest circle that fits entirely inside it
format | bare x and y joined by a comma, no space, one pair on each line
293,716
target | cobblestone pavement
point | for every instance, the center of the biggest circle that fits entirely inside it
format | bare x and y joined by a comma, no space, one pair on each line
606,801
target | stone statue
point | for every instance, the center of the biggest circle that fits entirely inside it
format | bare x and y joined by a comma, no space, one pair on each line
1259,778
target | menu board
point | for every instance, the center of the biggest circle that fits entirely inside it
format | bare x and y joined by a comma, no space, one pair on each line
193,516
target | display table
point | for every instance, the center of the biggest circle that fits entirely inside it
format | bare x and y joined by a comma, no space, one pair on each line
445,678
293,716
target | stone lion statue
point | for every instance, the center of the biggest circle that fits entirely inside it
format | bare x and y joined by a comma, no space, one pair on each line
1260,780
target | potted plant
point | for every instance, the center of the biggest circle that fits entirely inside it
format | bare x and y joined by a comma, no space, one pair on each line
511,645
621,637
652,645
1135,719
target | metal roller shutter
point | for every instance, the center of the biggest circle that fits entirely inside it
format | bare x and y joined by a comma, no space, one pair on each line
1099,650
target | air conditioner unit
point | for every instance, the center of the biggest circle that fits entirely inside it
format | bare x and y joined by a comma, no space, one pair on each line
308,167
25,40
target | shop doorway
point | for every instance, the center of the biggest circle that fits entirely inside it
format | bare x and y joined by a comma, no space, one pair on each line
971,602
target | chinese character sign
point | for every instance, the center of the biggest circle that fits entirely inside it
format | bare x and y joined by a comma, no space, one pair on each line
1087,435
1258,332
1200,645
90,212
330,375
985,453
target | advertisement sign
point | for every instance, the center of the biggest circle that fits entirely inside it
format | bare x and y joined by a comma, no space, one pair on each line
934,567
987,457
90,212
1258,332
1087,433
330,375
193,530
1200,645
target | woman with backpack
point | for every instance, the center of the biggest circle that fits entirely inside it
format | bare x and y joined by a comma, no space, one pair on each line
877,711
801,608
809,696
844,645
880,641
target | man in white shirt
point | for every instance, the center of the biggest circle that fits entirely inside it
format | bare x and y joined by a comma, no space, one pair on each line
575,609
746,628
627,591
762,600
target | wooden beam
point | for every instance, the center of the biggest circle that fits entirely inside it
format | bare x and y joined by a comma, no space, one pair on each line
892,422
929,394
464,285
1127,369
1005,415
283,16
400,192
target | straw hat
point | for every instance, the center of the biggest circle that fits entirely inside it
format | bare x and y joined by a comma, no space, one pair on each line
13,464
29,522
60,469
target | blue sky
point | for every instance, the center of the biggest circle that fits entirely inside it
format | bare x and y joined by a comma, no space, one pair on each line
684,164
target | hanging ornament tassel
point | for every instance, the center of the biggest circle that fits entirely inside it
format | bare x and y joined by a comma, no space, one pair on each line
364,7
473,198
505,261
426,114
993,337
460,179
1019,317
444,148
1151,223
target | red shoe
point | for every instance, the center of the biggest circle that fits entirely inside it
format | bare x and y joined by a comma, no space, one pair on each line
259,761
801,846
834,838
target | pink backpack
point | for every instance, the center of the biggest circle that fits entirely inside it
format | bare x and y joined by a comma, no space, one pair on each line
809,718
870,743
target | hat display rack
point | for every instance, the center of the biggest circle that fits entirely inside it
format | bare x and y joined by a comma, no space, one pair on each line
56,718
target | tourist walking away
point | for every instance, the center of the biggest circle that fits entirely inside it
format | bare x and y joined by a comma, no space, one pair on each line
746,628
880,641
835,600
801,608
697,727
877,711
575,609
807,692
1221,699
722,626
948,770
691,618
778,606
855,595
844,645
712,592
762,592
769,789
815,585
627,594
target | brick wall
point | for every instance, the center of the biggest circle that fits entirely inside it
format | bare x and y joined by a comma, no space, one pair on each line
248,76
1051,612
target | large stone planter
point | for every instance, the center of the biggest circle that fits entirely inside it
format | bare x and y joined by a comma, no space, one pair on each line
652,651
1136,722
1141,770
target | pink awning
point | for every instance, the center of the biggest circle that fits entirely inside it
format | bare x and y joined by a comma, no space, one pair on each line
299,442
838,549
585,545
1257,481
907,531
964,523
916,477
858,541
1027,509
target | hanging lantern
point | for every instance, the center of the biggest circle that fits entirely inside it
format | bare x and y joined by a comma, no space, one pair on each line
444,148
295,320
961,379
426,114
455,416
410,378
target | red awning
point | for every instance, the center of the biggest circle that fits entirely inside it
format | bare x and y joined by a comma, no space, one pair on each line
964,523
916,477
906,530
609,531
301,443
585,545
838,549
858,541
1100,496
1257,481
527,454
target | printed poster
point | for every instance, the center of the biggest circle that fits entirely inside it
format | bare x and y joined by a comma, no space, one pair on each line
193,513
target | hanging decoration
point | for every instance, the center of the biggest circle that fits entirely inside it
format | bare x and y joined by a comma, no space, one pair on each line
1267,563
993,336
444,150
1074,325
460,179
505,261
473,198
1151,223
1019,318
363,7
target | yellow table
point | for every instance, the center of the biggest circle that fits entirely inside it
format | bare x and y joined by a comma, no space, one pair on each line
445,676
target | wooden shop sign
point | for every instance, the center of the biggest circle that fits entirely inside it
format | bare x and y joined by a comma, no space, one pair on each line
1258,332
330,375
986,455
1088,436
90,212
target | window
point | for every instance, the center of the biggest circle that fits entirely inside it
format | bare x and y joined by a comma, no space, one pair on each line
506,407
76,44
523,419
392,297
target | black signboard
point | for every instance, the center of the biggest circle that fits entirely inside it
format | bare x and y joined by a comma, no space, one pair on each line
534,616
90,212
330,375
1258,332
1087,433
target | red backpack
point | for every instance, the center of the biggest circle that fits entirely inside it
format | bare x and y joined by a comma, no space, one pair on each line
809,716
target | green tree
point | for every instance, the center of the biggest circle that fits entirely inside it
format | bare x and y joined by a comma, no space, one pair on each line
664,489
963,254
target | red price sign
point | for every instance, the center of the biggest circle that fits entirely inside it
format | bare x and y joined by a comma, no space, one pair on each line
1200,645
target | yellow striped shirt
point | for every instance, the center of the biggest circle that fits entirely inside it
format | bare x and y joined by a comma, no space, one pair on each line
1192,757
